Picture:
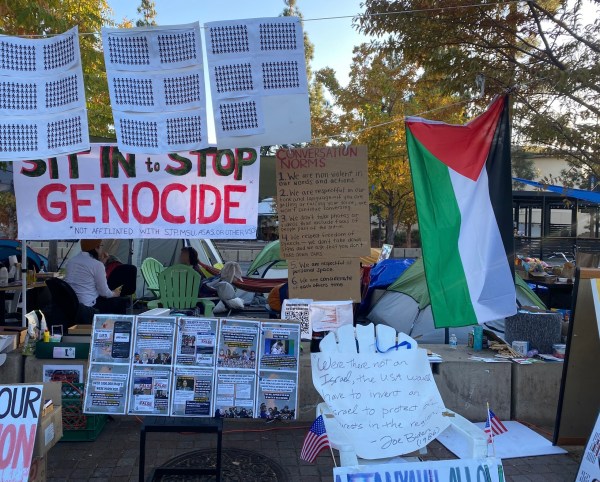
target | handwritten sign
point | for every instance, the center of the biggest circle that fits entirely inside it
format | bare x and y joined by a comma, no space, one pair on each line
475,470
331,279
387,403
102,193
19,413
323,202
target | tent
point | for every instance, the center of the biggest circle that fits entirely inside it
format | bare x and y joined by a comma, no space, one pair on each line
584,195
270,263
406,306
164,250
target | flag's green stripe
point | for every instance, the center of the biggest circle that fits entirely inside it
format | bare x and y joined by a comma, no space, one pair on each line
439,225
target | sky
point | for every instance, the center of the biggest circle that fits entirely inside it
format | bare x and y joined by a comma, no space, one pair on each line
334,39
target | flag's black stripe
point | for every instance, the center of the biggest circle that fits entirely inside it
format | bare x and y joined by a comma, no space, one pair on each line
498,166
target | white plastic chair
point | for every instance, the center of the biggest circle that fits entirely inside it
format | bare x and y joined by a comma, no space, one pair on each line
361,339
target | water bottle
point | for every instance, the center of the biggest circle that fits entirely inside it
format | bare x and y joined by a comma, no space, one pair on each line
478,338
453,341
3,276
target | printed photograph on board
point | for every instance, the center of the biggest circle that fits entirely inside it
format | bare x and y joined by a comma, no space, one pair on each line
192,392
280,345
149,390
196,342
238,344
154,339
106,389
112,338
277,395
235,394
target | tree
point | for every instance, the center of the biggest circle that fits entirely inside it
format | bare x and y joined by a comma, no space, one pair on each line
320,109
147,10
544,47
382,89
523,167
8,214
24,17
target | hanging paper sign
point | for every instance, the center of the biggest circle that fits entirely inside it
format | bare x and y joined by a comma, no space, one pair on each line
42,98
256,66
103,194
156,85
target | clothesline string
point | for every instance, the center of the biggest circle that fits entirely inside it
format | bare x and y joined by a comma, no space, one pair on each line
340,17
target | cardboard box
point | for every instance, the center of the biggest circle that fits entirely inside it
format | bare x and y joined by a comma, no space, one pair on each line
11,330
8,342
50,429
80,330
39,469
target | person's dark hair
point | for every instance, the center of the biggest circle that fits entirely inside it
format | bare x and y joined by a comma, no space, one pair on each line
93,253
192,254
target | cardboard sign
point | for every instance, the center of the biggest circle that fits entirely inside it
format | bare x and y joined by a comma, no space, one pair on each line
488,470
207,193
589,469
323,202
318,279
19,414
387,403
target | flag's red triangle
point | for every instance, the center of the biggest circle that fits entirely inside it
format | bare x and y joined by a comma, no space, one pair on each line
463,148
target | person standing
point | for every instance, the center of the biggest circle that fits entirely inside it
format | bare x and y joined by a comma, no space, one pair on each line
86,274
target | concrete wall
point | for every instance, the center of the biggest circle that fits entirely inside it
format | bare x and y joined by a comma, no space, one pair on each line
12,369
535,390
466,386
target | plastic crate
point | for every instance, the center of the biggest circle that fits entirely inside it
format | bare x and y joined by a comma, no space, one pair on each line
78,426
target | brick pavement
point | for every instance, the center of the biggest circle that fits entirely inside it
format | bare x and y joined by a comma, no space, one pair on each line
114,455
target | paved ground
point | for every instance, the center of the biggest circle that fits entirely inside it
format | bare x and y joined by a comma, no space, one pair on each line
114,455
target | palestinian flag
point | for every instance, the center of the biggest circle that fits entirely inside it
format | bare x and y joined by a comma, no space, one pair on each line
462,182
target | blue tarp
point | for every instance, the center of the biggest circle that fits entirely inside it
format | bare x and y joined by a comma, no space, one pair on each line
383,274
582,194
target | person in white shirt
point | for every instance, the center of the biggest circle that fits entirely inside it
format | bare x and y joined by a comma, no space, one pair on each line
86,274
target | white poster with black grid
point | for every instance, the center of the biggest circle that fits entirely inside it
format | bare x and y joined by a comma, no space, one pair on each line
156,86
258,83
42,99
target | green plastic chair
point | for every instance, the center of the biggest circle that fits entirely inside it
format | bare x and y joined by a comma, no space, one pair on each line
179,286
150,270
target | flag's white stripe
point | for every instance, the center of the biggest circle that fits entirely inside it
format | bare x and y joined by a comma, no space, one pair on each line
497,427
491,286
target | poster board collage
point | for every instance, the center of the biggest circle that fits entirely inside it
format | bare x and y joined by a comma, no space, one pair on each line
193,367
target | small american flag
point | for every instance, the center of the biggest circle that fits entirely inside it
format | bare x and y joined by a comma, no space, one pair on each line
316,440
493,425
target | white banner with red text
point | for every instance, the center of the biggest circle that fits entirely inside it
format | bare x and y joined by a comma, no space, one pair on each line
208,193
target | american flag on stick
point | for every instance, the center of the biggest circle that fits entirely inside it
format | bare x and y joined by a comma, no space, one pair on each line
493,425
316,440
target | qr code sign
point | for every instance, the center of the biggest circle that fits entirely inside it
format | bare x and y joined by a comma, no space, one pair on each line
298,312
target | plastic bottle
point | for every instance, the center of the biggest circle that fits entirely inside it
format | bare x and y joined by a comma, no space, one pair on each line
478,338
453,341
46,336
3,276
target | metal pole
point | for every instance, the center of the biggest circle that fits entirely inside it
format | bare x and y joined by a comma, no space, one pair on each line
24,282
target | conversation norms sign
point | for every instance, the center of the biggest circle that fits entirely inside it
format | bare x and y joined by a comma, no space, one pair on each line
209,193
471,470
387,403
19,414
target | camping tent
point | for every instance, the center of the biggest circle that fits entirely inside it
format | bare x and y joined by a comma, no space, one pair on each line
164,250
406,306
270,263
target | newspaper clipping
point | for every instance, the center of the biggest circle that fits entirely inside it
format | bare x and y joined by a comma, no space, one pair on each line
277,391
